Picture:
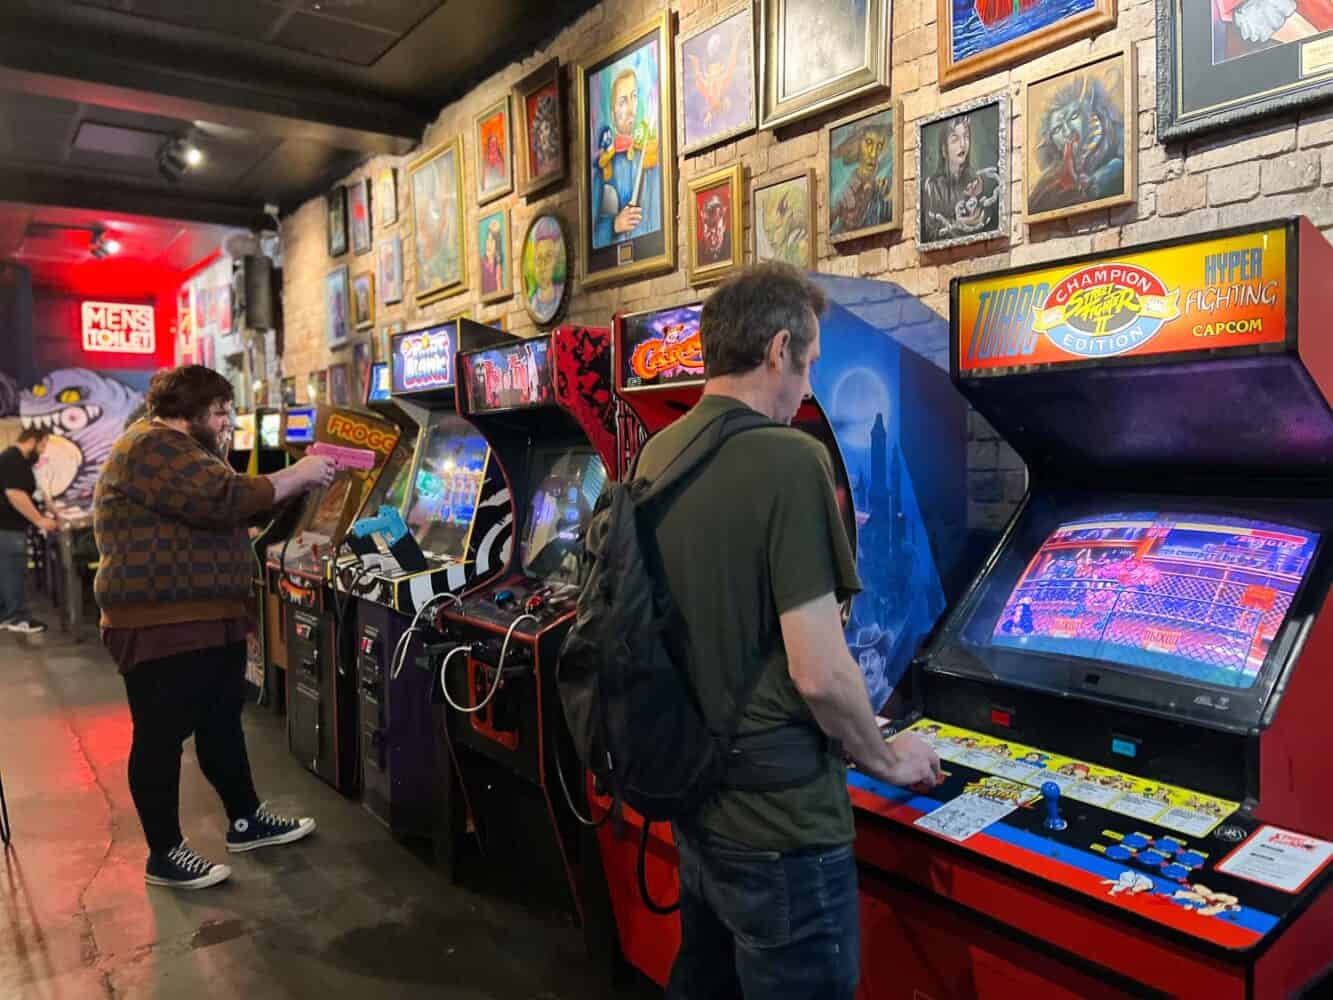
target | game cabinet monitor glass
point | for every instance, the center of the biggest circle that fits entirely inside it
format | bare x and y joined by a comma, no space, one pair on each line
568,483
447,486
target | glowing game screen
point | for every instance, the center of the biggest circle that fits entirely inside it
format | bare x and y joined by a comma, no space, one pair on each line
448,485
661,348
270,430
505,378
326,514
1194,596
380,387
568,484
243,432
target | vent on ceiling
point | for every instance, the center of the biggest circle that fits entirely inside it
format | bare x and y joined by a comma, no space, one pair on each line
114,140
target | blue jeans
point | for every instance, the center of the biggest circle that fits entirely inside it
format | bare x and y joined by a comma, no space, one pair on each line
13,575
761,925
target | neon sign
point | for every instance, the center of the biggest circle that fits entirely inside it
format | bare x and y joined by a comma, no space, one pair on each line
119,328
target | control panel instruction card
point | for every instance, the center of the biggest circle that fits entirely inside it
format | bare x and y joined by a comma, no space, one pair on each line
1278,858
981,804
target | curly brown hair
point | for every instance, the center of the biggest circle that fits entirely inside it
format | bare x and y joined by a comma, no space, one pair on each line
187,392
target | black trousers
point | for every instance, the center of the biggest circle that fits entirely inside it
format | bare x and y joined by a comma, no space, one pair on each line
200,692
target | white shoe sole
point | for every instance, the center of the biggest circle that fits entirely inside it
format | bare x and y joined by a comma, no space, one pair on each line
306,828
218,873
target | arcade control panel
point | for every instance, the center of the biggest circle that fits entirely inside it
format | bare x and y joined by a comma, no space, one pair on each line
499,605
1197,864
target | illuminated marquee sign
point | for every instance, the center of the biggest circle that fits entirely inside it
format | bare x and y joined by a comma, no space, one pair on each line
424,359
661,348
360,433
118,328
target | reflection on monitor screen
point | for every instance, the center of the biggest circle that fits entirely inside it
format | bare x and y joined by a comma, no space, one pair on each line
325,516
448,485
1199,597
270,430
567,484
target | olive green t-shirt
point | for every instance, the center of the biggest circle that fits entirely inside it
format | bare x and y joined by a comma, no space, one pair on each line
755,533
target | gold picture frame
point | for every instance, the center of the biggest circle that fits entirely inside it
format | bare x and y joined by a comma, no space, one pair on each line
541,90
484,129
729,255
439,280
787,233
841,219
363,292
738,104
1101,16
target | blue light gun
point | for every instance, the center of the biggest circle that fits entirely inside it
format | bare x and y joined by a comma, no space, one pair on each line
388,524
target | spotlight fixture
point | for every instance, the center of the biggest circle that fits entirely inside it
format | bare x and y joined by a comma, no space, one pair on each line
102,245
177,156
193,156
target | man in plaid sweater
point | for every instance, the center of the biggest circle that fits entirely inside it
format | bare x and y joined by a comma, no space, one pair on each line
170,517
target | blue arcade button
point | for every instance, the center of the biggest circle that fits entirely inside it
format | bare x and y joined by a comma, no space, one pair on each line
1177,872
1168,846
1190,859
1117,853
1135,841
1151,858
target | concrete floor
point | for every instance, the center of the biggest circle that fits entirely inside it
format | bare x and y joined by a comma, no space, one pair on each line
349,912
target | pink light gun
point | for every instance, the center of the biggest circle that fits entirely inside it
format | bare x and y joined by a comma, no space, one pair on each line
344,457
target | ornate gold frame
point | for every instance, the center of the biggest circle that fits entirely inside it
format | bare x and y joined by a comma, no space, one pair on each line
687,148
1101,17
444,291
735,176
504,293
502,104
809,174
897,221
538,78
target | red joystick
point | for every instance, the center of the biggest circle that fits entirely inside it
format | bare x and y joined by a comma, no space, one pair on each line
534,602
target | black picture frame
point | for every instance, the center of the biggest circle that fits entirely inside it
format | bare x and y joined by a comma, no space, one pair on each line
1196,94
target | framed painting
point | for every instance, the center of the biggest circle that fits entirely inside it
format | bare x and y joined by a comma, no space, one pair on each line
358,215
715,229
390,270
715,67
1234,61
1080,147
360,370
627,163
497,281
962,171
977,37
383,340
289,390
317,386
865,173
363,300
545,269
540,102
337,221
438,218
500,322
495,162
817,53
783,220
340,385
386,196
337,311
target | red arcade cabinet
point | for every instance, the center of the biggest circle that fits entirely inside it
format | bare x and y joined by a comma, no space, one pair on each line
1131,699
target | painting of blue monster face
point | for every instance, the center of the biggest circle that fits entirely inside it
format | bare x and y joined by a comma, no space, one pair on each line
899,430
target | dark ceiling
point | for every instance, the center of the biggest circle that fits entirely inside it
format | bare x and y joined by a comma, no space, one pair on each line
282,96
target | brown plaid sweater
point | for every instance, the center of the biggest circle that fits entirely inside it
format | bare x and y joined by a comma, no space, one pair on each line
170,523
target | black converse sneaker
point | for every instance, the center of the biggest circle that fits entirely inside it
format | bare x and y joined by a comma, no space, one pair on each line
265,828
182,868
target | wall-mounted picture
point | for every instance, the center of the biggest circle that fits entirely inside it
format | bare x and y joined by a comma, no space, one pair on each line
783,220
337,221
715,229
865,173
1239,60
363,300
340,385
386,196
818,53
715,67
963,174
495,165
358,214
317,386
977,37
438,217
360,371
627,161
337,307
1080,146
383,340
539,101
500,322
493,247
545,269
390,270
289,391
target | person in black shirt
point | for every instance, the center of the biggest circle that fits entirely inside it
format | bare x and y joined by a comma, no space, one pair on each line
17,511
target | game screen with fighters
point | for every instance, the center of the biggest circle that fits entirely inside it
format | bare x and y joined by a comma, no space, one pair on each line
448,483
568,483
509,377
1198,597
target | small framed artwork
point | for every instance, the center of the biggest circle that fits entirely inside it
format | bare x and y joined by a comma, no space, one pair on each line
337,313
627,163
495,165
317,386
358,213
340,385
363,300
438,216
1239,60
983,36
783,214
383,340
865,173
289,391
715,233
497,280
360,370
715,67
338,221
386,196
390,270
1081,147
816,54
545,269
962,174
540,102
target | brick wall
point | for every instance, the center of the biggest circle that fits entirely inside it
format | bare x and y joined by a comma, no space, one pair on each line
1254,173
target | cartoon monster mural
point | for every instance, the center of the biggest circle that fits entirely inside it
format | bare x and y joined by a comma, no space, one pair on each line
86,411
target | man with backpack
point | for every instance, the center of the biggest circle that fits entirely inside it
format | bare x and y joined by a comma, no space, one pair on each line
753,551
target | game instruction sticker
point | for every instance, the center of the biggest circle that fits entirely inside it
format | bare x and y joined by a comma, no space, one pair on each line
1278,858
1178,809
981,804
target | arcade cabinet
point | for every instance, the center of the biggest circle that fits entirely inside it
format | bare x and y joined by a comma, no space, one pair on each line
1131,700
546,407
424,535
242,449
895,429
270,455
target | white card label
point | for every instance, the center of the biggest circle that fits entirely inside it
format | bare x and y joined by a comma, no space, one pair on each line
964,817
1278,858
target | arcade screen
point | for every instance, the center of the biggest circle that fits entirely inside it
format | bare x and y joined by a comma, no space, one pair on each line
567,485
448,485
661,348
327,512
379,382
504,378
1197,597
270,430
243,433
391,487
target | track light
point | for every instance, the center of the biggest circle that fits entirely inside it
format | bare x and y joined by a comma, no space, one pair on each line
103,245
177,156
